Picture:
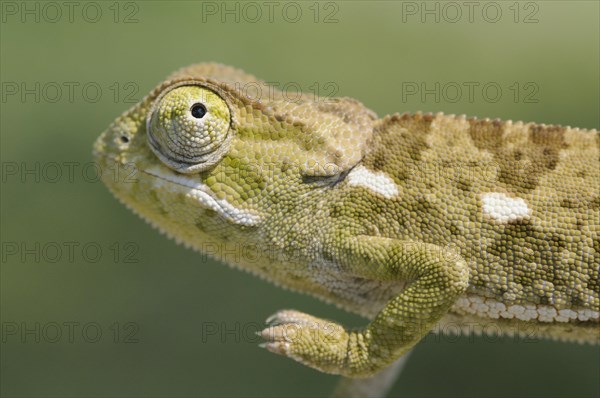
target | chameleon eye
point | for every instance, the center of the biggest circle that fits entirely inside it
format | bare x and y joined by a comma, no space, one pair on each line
198,111
188,127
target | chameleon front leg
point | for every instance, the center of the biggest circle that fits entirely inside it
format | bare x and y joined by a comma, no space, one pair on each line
434,280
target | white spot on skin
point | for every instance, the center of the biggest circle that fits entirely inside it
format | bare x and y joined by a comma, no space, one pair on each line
490,308
503,208
377,182
207,199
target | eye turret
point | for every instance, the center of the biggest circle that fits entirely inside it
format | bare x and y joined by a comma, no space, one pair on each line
188,127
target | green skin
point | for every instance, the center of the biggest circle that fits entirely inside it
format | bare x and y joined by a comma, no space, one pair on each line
274,187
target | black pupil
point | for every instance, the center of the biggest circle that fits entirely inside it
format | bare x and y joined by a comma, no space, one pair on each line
198,111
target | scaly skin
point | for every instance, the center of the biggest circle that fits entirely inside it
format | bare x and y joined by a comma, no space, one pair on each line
411,220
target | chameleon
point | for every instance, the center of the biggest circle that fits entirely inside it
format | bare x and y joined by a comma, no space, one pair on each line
414,220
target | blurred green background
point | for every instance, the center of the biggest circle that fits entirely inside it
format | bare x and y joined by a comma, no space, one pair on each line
126,312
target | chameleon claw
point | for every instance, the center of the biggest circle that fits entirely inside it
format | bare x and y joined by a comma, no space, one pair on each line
277,348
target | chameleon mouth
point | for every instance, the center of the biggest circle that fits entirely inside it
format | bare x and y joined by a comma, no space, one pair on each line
202,194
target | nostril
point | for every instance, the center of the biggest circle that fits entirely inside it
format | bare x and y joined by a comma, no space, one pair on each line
124,139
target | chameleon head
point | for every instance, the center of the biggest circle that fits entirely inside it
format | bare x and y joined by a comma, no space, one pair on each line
188,128
203,161
172,157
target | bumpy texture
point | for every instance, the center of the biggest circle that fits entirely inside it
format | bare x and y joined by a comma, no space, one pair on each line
411,220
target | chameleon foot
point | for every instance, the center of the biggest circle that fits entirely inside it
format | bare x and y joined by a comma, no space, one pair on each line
318,343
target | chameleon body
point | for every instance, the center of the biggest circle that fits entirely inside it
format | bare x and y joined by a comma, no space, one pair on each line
413,220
